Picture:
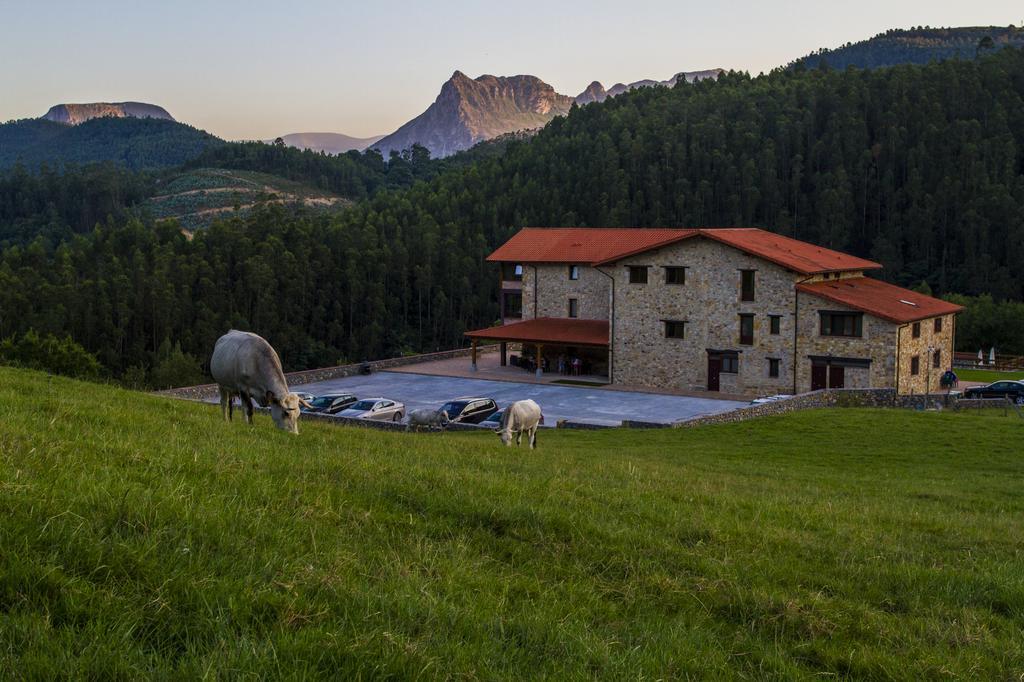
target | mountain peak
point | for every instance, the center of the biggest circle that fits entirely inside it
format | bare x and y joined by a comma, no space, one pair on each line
73,114
594,92
468,111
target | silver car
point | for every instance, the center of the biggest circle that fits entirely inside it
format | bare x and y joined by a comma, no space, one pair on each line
377,409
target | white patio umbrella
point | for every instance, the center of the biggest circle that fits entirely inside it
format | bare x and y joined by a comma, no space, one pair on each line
981,357
992,356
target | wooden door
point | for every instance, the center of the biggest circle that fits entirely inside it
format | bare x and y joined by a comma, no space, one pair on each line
835,377
714,369
819,377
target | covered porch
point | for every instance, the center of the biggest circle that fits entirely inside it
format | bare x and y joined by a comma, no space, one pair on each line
548,347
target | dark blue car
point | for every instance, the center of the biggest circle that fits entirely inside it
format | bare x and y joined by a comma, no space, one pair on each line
1011,390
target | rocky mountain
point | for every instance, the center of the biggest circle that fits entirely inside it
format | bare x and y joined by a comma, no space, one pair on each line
468,111
595,92
74,114
330,143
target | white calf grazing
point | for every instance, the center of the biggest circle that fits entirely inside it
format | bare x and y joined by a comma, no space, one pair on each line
432,419
522,416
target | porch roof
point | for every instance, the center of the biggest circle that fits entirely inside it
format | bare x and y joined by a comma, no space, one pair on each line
556,330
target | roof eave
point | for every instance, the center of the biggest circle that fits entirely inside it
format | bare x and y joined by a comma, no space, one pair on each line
888,318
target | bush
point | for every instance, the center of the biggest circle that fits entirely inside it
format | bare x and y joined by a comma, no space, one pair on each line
175,368
50,354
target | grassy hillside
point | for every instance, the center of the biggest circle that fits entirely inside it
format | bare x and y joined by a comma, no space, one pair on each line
142,536
197,197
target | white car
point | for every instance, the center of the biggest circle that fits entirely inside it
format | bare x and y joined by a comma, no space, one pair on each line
377,409
769,399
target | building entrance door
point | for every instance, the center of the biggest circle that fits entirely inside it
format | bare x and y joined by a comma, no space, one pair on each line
835,376
714,369
819,377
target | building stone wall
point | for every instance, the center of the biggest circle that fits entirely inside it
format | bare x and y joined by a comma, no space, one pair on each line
709,303
927,379
877,344
547,289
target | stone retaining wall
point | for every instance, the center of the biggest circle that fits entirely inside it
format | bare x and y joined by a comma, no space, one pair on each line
829,397
309,376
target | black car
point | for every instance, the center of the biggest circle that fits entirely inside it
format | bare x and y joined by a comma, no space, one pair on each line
469,410
1013,390
331,404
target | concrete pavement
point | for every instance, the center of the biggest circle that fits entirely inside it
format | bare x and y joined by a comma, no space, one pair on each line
602,406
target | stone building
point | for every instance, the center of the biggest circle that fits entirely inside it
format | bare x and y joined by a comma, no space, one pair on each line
735,310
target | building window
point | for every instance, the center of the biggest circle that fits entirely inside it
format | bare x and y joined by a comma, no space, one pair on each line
841,324
574,272
511,272
675,329
638,274
746,330
916,330
746,285
675,275
938,325
774,323
773,368
915,365
513,306
574,307
730,364
937,359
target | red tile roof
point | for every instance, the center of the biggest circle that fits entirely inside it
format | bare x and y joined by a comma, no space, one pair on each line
880,299
549,330
601,245
794,254
582,244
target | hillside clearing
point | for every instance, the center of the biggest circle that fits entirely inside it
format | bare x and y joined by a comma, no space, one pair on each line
142,536
196,197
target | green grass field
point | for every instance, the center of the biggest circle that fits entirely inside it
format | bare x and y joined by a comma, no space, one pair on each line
987,375
143,537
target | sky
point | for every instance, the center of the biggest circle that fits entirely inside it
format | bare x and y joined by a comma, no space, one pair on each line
257,69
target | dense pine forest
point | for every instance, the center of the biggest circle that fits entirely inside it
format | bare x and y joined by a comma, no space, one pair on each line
920,168
921,45
133,143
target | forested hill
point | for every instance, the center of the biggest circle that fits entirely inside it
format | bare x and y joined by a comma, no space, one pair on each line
57,201
917,46
917,167
134,143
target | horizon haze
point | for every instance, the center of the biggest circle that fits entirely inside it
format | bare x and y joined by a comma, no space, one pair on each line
258,71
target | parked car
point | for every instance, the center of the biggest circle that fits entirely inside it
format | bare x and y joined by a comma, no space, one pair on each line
1013,390
377,409
469,410
494,421
308,397
770,399
332,403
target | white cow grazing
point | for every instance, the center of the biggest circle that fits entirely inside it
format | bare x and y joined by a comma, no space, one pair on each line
522,416
245,365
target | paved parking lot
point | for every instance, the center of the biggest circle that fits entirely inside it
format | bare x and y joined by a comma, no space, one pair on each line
579,404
